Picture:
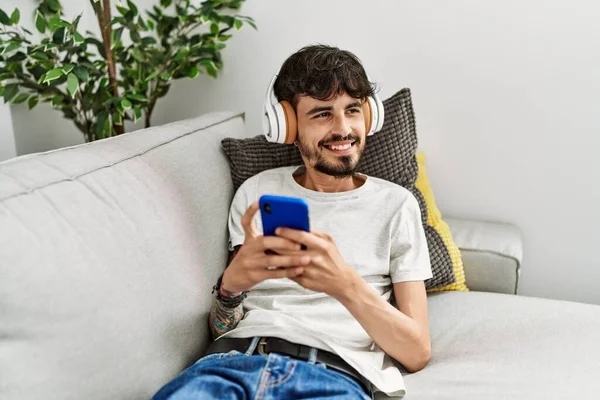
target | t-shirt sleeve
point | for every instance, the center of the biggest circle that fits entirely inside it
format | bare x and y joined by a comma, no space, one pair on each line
409,256
242,199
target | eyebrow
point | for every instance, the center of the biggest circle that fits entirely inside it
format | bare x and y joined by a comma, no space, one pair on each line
319,109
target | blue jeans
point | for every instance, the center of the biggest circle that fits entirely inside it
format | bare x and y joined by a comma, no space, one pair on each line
236,375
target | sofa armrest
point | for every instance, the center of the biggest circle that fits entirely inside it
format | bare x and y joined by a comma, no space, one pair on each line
491,252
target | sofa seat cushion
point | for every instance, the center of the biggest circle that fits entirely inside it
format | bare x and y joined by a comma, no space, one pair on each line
499,346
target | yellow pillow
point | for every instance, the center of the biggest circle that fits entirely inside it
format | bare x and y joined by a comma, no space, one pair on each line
434,220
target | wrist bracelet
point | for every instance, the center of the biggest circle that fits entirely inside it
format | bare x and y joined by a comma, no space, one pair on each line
230,302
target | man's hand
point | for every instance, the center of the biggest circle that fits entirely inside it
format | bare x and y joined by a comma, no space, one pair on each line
327,271
250,266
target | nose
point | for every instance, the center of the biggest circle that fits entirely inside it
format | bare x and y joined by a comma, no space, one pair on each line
341,125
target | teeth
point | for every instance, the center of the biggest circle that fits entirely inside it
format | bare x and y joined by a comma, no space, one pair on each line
342,147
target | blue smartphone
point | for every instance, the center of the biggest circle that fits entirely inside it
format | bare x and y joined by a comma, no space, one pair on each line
282,211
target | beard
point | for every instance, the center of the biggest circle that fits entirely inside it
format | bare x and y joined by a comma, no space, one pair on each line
341,166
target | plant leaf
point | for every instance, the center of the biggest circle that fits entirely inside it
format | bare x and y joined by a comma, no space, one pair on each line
40,56
148,41
126,104
75,22
214,29
33,101
10,91
55,22
21,98
137,97
4,19
117,33
77,38
166,3
68,68
59,36
54,5
137,114
238,23
152,76
81,73
137,54
11,47
100,124
194,71
142,24
133,8
135,36
53,74
211,68
72,84
165,76
18,56
40,22
15,17
117,119
57,100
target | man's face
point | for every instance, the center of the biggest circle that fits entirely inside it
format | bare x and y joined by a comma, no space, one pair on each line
331,134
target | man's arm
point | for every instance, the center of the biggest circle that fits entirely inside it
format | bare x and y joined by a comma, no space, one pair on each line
402,333
222,319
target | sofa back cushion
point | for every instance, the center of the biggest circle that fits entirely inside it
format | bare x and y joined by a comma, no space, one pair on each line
108,252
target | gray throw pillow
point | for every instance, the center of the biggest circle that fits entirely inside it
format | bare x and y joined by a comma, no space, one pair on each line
389,155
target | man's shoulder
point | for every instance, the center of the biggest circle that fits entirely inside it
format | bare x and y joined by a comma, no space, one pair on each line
394,192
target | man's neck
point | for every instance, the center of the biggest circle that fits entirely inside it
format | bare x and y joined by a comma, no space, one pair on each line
320,182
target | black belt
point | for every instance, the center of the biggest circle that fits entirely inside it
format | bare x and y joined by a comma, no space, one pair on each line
268,345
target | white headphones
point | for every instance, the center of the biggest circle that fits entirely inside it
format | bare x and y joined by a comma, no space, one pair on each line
281,126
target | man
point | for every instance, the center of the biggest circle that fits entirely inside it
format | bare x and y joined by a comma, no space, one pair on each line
320,325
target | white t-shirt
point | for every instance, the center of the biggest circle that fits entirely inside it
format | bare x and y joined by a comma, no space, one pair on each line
378,231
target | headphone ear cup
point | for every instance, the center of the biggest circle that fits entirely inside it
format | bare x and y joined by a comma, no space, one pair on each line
379,115
269,126
291,123
368,114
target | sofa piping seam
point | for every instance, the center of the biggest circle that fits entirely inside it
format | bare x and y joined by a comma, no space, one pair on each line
112,164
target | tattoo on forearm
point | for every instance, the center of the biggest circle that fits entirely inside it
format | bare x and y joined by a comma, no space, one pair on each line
222,319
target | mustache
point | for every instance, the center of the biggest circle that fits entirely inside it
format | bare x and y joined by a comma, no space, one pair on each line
339,138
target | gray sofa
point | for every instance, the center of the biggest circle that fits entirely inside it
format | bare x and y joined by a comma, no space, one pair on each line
108,253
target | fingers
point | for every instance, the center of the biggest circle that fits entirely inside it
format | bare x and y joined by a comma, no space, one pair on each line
278,261
278,244
248,221
283,273
308,239
322,235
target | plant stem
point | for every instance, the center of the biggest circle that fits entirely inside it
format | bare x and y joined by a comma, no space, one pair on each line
103,14
147,116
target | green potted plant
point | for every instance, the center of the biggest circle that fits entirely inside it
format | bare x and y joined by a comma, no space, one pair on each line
100,82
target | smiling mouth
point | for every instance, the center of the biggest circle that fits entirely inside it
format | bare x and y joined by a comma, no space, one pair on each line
340,147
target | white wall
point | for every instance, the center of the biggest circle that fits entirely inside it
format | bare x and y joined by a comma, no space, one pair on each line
506,95
7,138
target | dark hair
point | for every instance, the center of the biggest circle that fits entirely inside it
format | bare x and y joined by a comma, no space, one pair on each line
322,72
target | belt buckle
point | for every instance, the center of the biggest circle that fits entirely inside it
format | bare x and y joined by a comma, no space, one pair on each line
261,346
